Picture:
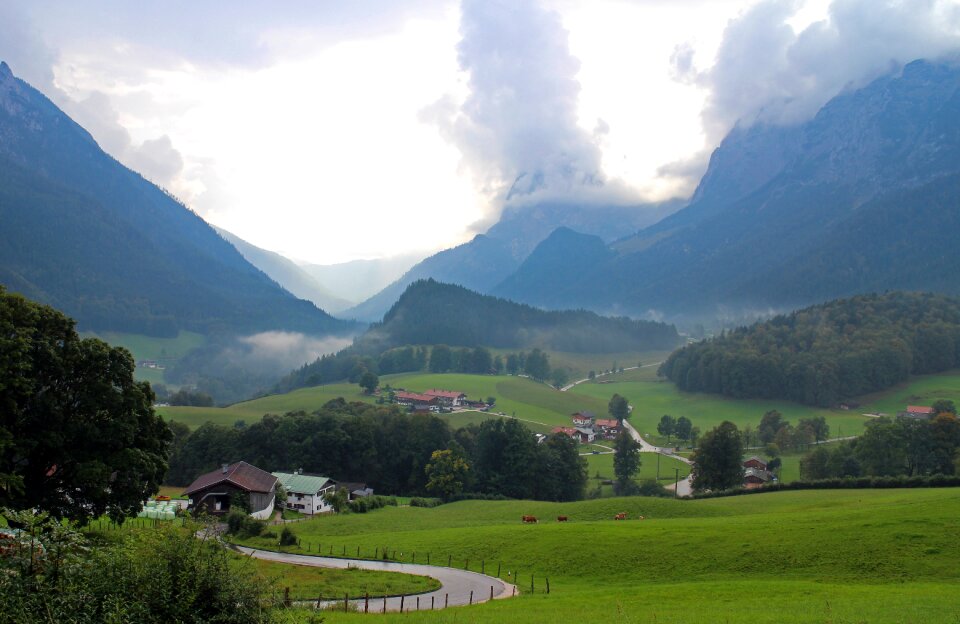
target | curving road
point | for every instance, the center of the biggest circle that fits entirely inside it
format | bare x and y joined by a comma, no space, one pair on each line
455,590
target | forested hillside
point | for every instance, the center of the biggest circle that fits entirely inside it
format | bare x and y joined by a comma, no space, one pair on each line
826,353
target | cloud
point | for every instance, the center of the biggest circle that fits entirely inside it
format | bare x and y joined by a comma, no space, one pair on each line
766,71
283,351
517,128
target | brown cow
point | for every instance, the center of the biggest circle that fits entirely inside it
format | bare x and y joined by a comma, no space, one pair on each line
529,519
621,516
561,518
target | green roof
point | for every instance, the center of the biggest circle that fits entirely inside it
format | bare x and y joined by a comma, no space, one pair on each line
301,483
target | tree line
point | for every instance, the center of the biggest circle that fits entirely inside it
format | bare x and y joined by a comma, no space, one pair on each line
826,353
389,450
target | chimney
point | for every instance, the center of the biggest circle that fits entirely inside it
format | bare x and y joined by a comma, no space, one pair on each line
224,468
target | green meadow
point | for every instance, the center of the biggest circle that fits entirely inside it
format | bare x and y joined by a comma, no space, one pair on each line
602,465
814,556
163,350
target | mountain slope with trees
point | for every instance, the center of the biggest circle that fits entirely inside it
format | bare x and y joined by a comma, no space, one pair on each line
862,197
825,353
84,233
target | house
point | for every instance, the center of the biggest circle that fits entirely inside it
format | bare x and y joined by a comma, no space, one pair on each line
214,492
754,478
918,412
356,490
305,491
755,462
585,434
447,398
607,427
413,398
583,419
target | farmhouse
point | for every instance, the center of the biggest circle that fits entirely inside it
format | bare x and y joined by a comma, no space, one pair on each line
585,434
918,412
214,492
583,419
413,398
754,478
755,462
607,427
447,398
305,491
567,431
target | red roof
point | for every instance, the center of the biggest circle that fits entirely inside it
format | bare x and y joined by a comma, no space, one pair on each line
413,396
570,431
919,409
607,423
447,394
240,474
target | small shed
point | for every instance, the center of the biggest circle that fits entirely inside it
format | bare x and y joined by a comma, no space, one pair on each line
215,492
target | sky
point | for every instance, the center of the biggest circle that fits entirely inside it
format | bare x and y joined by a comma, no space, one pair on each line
330,131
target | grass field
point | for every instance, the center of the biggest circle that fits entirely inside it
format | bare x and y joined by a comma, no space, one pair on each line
163,350
830,556
310,583
603,465
652,398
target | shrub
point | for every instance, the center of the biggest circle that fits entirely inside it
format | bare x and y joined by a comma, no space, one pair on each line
242,525
425,502
287,537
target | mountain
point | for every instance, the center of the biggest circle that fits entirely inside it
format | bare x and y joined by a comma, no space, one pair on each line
89,236
358,280
431,313
821,354
488,259
287,273
561,256
862,197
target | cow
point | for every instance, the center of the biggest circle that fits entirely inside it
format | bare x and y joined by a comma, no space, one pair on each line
529,519
561,518
621,516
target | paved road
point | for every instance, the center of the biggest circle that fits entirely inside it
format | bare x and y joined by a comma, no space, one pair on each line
456,588
684,487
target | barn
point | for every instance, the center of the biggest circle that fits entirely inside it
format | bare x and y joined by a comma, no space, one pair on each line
215,492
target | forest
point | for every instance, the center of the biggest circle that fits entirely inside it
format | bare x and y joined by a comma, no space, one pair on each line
826,353
387,449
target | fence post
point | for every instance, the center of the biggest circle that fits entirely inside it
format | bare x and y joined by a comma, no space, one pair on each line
319,598
548,584
491,592
376,552
418,603
428,558
344,550
384,603
346,602
483,566
431,602
466,564
358,552
414,557
449,559
446,600
498,569
471,596
366,602
401,603
531,583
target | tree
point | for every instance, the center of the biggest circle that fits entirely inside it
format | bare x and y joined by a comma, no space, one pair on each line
694,435
78,435
683,428
618,407
369,382
559,378
538,365
498,364
337,498
769,426
592,375
817,427
717,463
513,364
446,473
944,406
441,359
667,426
626,462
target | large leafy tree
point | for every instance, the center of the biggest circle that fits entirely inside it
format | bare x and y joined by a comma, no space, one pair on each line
626,462
618,407
78,435
446,473
717,463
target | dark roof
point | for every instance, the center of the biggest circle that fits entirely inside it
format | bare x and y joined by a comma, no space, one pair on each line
585,414
240,474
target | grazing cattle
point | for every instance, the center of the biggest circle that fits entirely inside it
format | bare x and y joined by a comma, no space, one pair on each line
621,516
640,518
561,518
530,520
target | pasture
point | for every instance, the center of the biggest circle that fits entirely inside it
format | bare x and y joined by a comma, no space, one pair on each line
163,350
815,556
603,465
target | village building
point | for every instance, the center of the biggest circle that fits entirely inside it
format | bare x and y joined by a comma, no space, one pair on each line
607,427
583,419
356,490
305,491
447,398
567,431
585,434
755,462
414,398
918,412
754,478
215,492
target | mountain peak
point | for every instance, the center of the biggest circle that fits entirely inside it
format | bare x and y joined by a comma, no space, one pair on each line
5,71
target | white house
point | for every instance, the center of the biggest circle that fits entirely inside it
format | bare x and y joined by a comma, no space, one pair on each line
305,491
